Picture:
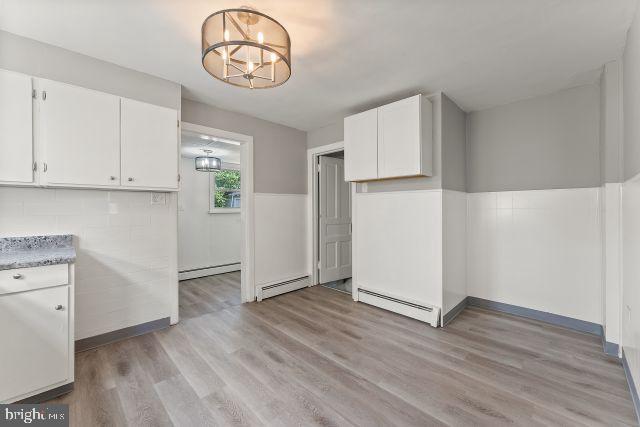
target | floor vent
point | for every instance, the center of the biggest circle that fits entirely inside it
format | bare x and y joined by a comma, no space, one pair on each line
271,290
426,313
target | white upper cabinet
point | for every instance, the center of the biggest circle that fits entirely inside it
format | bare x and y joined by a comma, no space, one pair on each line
399,138
16,137
80,135
59,135
361,146
391,141
149,153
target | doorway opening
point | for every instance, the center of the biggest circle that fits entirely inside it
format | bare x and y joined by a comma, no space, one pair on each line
215,220
330,211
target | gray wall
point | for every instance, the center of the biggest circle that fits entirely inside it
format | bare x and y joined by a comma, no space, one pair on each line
631,76
279,152
454,142
611,123
551,141
38,59
326,135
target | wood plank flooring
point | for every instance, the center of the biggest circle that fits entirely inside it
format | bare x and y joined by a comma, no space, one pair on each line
314,357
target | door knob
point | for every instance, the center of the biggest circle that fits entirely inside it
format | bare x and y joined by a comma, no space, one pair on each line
112,178
59,307
17,276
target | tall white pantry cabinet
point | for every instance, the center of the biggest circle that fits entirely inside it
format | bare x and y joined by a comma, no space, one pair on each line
58,135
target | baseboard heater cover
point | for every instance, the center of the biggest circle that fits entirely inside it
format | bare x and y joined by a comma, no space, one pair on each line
271,290
426,313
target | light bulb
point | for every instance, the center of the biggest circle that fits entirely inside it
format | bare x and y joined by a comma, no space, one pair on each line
260,38
226,35
224,54
273,57
249,66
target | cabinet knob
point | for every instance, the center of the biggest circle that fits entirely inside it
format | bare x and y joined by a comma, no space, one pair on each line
112,178
130,179
17,276
59,307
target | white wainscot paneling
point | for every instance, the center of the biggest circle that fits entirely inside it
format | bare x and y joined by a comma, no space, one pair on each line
454,246
280,237
126,267
631,274
537,249
398,244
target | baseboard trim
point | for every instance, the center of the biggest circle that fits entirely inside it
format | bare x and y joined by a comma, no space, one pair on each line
121,334
632,386
274,289
208,271
610,348
47,395
543,316
453,313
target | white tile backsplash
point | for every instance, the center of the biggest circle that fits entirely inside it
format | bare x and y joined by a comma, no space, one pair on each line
126,268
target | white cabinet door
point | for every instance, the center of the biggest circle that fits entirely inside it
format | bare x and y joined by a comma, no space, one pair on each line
16,141
149,145
80,134
399,138
361,146
35,340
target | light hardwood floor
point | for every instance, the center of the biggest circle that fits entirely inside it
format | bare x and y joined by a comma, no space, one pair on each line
314,357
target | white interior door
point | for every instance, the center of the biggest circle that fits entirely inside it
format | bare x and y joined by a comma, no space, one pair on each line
16,142
334,221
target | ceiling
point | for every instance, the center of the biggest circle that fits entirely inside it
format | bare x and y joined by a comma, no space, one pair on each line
193,144
349,55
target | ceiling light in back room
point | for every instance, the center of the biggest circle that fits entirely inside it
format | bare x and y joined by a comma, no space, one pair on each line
246,48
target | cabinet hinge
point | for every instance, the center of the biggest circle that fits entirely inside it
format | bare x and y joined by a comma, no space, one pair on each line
178,123
44,95
178,177
34,94
44,167
35,166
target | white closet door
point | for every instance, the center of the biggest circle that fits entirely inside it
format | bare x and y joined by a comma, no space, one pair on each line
149,145
399,138
16,137
334,221
35,340
361,146
80,131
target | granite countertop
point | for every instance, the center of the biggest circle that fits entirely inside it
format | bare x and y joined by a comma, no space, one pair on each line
34,251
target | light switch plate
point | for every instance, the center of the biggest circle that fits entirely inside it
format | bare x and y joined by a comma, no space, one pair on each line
158,198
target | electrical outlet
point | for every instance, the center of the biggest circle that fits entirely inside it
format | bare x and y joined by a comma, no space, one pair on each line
158,198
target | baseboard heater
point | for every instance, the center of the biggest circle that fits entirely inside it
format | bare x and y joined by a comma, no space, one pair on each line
273,289
425,313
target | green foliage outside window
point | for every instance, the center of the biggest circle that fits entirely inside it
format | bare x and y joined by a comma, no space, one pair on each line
227,189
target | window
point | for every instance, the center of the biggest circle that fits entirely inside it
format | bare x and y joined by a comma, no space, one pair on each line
225,191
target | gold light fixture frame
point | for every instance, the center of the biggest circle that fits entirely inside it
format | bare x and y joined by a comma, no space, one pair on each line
265,42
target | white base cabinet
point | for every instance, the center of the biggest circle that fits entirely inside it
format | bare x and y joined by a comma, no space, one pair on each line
36,328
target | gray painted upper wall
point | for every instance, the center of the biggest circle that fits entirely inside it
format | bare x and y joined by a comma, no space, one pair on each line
42,60
551,141
279,152
326,135
611,123
631,76
454,143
